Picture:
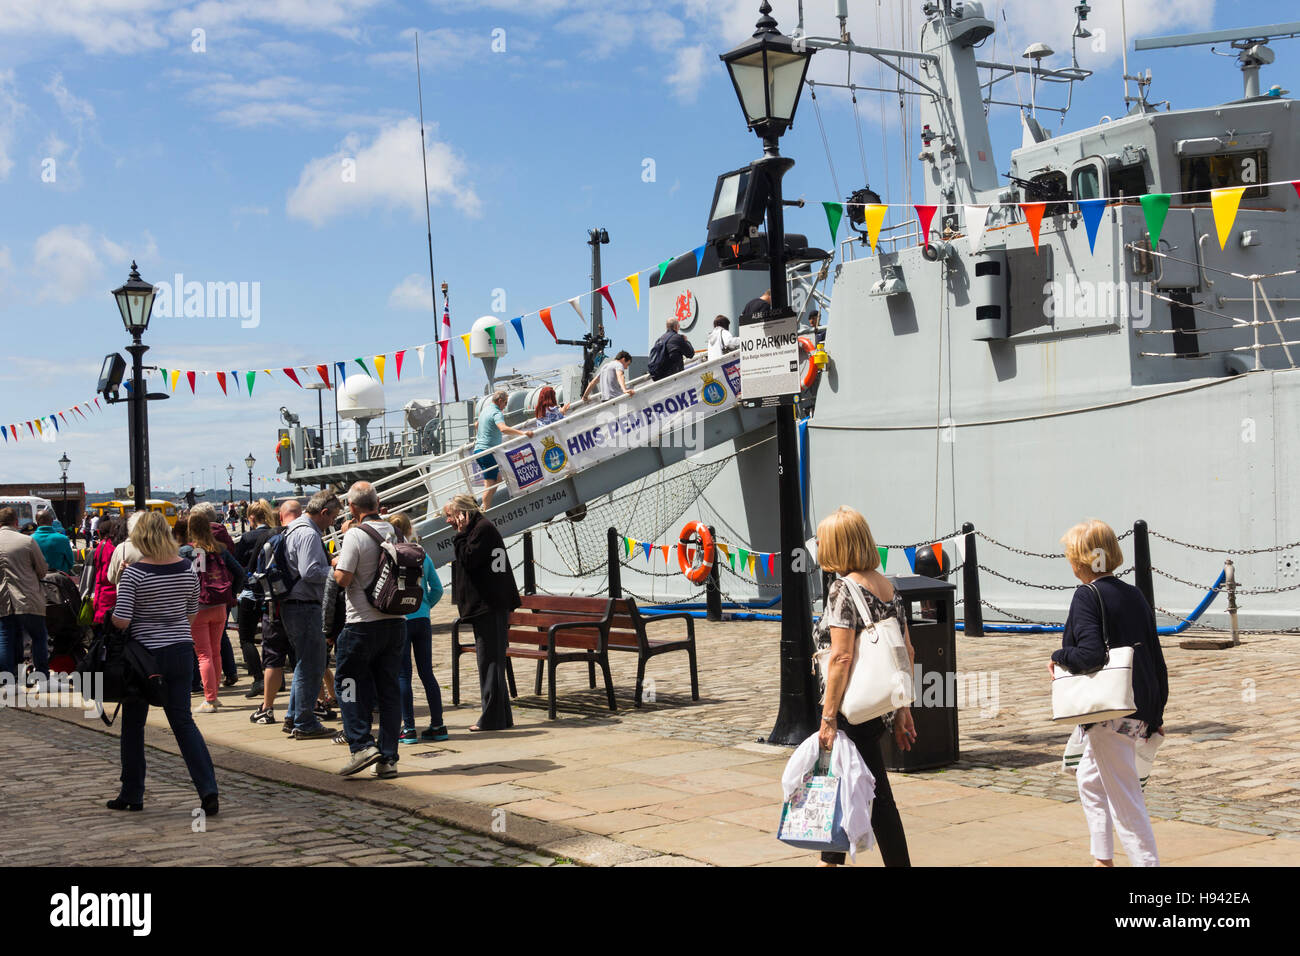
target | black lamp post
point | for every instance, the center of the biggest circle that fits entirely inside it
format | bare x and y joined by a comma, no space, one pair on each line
64,462
768,73
135,302
230,487
250,461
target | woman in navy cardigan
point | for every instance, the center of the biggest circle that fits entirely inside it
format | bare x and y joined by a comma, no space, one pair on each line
1109,787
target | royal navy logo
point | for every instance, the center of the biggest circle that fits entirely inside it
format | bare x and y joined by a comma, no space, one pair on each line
523,462
553,457
732,371
712,390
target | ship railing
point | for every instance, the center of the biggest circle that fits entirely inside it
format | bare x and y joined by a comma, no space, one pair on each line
849,247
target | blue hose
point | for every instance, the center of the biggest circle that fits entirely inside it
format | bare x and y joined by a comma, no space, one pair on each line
701,606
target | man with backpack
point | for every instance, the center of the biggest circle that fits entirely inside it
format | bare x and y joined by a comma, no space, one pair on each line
380,576
669,353
300,611
272,578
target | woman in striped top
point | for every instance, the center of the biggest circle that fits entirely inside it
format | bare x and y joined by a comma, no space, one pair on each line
157,599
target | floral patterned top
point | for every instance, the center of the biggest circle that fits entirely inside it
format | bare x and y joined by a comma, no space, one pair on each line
842,611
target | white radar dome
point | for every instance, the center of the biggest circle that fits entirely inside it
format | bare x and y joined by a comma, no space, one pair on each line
480,341
360,397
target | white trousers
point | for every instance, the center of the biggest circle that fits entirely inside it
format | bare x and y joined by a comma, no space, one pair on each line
1109,791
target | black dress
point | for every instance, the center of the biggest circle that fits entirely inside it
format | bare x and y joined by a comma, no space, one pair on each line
483,587
842,611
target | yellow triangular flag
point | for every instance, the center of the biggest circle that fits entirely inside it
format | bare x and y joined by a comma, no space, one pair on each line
874,216
379,367
175,378
723,548
465,338
634,280
1224,202
39,429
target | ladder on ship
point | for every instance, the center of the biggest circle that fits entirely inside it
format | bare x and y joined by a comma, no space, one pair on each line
596,449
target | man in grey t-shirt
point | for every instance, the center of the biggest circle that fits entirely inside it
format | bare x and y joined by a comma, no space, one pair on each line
369,650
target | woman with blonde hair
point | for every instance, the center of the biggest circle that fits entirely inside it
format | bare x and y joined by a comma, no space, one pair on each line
157,599
483,587
1109,787
845,546
220,579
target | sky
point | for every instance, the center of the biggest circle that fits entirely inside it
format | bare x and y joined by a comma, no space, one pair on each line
275,144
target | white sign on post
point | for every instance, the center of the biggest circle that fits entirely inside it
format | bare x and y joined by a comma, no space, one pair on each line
769,357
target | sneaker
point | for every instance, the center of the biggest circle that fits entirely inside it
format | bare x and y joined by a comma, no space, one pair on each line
313,734
409,736
230,680
361,760
323,712
385,770
288,725
263,715
434,734
256,691
340,737
209,707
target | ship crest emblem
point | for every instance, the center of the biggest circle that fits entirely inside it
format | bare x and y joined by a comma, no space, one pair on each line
711,390
686,309
553,457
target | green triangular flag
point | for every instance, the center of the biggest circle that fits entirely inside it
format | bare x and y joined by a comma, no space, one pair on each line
251,376
663,267
1155,206
731,559
492,335
363,366
744,558
883,554
834,213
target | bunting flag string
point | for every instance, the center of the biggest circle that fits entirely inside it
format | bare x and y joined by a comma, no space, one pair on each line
293,376
604,291
634,280
1034,219
380,361
397,359
545,316
1155,207
518,323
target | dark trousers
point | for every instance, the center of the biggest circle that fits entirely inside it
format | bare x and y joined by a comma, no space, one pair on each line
490,648
247,617
12,629
419,640
174,665
368,664
885,821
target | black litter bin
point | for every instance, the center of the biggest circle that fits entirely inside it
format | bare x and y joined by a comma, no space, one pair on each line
930,622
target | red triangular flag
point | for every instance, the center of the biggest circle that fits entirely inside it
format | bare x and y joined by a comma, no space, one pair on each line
399,356
1296,184
546,321
77,409
190,376
65,421
604,290
293,375
97,408
1034,217
937,548
926,215
324,372
31,429
221,380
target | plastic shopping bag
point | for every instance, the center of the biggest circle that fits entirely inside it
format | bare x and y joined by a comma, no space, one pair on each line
827,798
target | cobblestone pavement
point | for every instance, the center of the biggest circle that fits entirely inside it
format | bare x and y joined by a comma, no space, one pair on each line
1231,759
58,775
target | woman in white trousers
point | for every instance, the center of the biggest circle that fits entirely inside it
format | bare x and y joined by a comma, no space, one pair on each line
1110,787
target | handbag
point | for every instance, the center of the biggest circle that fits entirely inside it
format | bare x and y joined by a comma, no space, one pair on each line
813,817
880,680
1100,694
126,670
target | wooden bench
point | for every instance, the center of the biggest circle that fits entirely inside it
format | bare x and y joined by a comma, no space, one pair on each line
557,630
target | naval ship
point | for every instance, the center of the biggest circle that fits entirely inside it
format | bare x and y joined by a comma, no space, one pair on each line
979,371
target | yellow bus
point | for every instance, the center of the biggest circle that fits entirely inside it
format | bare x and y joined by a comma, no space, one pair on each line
121,508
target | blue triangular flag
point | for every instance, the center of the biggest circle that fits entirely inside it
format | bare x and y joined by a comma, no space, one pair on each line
1091,210
343,371
648,547
518,323
56,422
699,258
910,554
127,385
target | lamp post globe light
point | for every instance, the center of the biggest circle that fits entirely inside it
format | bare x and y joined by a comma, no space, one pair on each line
135,302
767,72
64,462
250,461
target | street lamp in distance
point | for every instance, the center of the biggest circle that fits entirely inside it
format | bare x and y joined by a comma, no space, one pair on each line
250,461
64,462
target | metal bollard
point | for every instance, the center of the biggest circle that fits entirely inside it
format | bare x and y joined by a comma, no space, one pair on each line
1142,562
614,567
712,592
1230,582
530,572
972,611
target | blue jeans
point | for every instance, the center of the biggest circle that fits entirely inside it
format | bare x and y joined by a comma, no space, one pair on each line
302,623
368,662
12,628
174,666
419,638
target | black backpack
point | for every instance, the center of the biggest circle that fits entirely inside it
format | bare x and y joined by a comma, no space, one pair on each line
398,585
658,363
272,575
128,670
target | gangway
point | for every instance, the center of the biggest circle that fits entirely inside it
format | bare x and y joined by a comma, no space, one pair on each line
597,448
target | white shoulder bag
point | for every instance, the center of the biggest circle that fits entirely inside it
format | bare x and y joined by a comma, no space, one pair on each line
1101,694
880,680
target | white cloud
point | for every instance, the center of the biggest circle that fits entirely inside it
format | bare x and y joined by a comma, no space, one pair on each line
1025,24
411,293
100,26
10,109
688,72
383,174
69,261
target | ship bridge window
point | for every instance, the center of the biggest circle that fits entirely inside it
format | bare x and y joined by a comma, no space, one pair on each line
1198,174
1129,181
1087,185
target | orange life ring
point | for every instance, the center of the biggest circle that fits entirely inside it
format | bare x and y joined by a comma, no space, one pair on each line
280,445
811,368
692,530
